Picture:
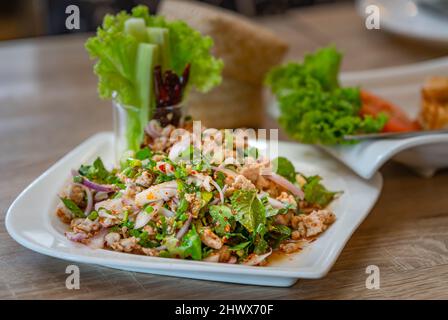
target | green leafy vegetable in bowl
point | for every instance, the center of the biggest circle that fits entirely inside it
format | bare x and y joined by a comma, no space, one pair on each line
128,48
314,108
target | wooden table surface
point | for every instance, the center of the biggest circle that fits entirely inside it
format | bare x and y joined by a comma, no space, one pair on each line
48,105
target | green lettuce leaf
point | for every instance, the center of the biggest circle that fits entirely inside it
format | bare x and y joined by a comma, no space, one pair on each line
314,109
250,211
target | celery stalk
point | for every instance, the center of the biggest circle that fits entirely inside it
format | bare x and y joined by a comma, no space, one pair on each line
146,60
161,37
137,28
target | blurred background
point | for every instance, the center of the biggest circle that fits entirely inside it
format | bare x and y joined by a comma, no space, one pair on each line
31,18
267,32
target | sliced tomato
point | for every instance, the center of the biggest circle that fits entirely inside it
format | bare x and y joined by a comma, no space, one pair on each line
398,121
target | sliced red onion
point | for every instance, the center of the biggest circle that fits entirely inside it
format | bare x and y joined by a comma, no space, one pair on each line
283,182
143,217
93,185
152,129
130,203
89,196
182,231
97,242
76,236
160,248
98,187
167,213
214,202
206,183
163,191
257,259
221,193
212,258
100,196
178,148
276,204
113,205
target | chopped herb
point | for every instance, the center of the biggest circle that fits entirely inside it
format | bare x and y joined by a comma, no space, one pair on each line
149,209
73,207
143,154
78,179
93,215
316,193
285,168
222,218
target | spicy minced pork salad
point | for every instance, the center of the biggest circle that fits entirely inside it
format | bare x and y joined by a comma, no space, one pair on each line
160,205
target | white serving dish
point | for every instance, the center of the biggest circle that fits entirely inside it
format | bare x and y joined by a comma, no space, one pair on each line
31,221
402,86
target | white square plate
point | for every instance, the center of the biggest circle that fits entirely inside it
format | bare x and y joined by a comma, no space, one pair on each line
31,221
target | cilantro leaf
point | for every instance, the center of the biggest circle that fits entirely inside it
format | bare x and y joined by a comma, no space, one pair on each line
316,193
95,172
143,154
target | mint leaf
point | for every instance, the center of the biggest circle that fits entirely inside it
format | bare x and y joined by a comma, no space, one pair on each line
190,246
261,245
250,212
285,168
279,233
222,218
